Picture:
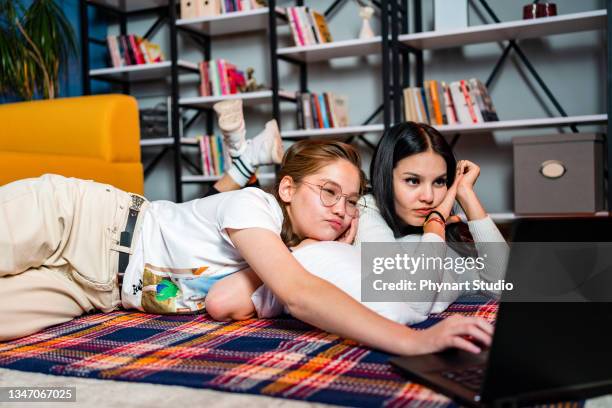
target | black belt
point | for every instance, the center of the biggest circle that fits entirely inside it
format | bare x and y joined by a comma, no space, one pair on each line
125,239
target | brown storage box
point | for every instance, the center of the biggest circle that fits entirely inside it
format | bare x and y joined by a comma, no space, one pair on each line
558,174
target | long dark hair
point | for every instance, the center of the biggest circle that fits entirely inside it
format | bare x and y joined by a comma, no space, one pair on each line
398,142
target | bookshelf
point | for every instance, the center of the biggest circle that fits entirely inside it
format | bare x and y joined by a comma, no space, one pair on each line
411,46
301,56
332,132
524,124
130,6
336,49
142,72
230,23
513,30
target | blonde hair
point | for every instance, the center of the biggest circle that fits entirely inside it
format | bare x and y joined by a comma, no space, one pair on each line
307,157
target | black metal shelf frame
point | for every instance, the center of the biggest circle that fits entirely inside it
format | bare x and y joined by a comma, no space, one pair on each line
401,72
165,15
303,65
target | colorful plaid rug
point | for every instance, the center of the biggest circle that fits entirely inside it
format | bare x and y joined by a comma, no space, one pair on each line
275,357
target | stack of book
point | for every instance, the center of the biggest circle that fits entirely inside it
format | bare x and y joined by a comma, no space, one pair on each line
208,8
214,156
132,50
218,77
307,26
320,111
438,103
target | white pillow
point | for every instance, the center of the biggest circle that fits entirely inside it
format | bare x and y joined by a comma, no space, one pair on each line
339,264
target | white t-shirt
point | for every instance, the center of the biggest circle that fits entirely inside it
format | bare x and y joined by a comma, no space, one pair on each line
183,249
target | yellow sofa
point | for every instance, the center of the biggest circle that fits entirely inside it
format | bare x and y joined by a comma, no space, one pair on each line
89,137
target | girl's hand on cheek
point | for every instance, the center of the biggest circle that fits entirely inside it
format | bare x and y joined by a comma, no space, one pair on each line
446,205
349,235
470,172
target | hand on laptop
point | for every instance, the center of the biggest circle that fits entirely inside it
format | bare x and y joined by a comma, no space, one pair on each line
465,333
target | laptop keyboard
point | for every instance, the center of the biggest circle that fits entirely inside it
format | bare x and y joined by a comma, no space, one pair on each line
471,377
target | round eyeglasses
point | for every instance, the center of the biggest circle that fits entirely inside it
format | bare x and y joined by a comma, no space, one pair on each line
331,193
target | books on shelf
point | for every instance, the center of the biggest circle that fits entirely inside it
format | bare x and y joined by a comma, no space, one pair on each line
209,8
132,50
438,103
321,111
214,157
219,77
307,26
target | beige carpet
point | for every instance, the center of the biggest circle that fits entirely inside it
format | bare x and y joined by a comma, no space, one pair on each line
106,393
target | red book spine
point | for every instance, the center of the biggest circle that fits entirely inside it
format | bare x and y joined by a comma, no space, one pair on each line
136,49
468,101
318,108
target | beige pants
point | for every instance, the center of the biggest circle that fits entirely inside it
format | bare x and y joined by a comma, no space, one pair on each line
58,251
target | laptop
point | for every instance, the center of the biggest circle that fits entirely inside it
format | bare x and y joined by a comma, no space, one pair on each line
541,351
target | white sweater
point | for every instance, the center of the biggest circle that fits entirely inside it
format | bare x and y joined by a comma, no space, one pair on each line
373,228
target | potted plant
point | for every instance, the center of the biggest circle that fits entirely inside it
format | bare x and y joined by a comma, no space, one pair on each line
35,42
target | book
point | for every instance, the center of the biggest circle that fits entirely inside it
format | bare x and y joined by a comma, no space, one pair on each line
305,25
142,46
322,27
463,113
328,109
154,52
213,73
293,27
323,107
135,44
408,106
125,50
315,27
442,102
316,111
418,103
297,25
299,112
485,104
428,100
215,155
341,110
222,76
475,115
113,50
426,117
311,26
307,111
435,102
204,79
331,101
451,114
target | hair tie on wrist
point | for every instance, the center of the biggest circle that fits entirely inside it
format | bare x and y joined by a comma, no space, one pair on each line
437,213
436,220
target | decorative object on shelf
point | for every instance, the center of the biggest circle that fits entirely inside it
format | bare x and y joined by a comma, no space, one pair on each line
366,14
307,26
154,122
558,173
34,47
450,14
539,10
251,84
321,111
200,8
438,103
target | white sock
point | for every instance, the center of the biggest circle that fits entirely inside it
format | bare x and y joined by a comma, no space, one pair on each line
241,170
